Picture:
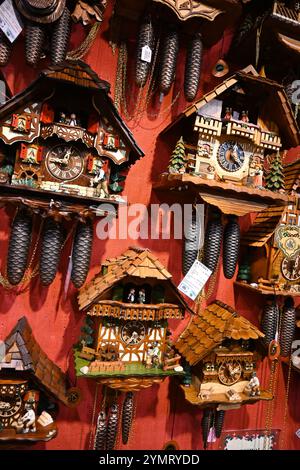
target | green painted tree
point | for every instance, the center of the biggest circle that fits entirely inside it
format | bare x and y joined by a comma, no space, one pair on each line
178,159
275,177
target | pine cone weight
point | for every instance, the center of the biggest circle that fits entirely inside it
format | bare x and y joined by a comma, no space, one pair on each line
206,424
5,49
52,240
219,421
193,67
287,328
212,243
81,255
100,437
145,38
34,39
231,247
112,427
269,322
169,55
18,248
60,37
190,245
127,416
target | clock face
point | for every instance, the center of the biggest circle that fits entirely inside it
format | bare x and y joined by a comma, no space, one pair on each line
133,332
231,156
290,268
9,406
64,162
230,372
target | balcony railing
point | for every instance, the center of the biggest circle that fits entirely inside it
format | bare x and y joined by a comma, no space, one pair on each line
126,311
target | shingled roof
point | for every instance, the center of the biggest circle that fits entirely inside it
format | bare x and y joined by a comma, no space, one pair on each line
292,175
251,80
22,346
135,262
210,328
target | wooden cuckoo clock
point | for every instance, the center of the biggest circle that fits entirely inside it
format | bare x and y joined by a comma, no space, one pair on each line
271,248
30,385
230,134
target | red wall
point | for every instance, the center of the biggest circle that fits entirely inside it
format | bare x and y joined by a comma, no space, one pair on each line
162,414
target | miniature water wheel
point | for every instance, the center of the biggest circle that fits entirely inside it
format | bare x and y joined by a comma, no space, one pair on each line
108,352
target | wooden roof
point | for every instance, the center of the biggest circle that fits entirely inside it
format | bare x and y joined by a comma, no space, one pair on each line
291,175
36,362
135,262
282,112
210,328
79,74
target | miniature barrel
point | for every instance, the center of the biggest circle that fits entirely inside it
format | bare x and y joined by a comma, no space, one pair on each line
81,255
52,241
18,249
231,247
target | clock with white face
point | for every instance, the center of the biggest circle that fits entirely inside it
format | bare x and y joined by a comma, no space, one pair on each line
231,156
290,268
64,162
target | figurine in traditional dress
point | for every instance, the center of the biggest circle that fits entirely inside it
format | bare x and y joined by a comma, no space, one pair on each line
73,120
244,116
142,296
155,354
131,296
228,114
62,118
29,418
100,180
254,385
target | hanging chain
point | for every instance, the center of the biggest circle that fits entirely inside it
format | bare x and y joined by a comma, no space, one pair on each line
283,437
93,418
86,44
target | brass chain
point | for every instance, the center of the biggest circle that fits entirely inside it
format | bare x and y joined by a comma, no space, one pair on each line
92,428
283,436
86,44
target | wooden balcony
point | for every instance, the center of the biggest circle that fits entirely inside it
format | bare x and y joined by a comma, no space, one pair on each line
126,311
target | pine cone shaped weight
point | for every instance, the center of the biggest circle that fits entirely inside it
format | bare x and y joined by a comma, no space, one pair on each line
287,328
219,421
206,423
191,243
193,67
100,437
61,33
212,243
269,322
34,40
231,247
18,248
52,240
145,38
112,427
169,55
5,49
127,416
81,255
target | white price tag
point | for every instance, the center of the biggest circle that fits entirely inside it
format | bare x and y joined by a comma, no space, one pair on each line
195,280
10,21
146,54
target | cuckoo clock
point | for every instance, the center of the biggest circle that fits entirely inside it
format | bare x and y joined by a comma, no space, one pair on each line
221,350
30,385
62,158
228,135
125,343
274,268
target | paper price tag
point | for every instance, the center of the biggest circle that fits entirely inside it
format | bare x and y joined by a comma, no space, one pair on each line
146,54
10,21
195,280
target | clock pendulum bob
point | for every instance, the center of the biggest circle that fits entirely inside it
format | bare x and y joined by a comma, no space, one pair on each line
61,32
127,416
269,322
35,34
81,254
52,241
213,242
112,426
287,330
146,38
219,421
231,247
170,48
206,423
101,430
18,248
190,245
5,49
193,67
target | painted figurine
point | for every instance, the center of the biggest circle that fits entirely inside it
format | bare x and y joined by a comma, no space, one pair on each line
142,296
29,418
254,385
62,118
72,121
100,180
244,116
131,296
228,114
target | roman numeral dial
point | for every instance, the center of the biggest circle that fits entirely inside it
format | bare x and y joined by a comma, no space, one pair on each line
64,162
231,156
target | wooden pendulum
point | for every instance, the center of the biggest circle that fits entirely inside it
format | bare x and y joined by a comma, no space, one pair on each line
231,247
219,421
34,41
206,424
18,249
52,240
287,330
112,426
170,48
190,246
269,322
127,416
60,37
81,254
5,49
193,67
101,430
213,242
145,40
